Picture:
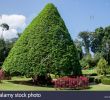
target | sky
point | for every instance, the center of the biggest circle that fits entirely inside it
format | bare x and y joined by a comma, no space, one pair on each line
78,15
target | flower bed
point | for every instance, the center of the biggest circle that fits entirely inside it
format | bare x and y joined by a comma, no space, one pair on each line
71,82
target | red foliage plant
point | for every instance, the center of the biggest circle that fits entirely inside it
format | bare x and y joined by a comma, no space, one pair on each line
2,74
71,82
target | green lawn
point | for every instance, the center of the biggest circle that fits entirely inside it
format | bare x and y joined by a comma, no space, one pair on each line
99,87
18,83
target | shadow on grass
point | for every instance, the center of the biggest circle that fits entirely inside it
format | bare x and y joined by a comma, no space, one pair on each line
29,83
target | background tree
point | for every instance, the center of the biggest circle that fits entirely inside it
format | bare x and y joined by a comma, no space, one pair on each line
99,45
106,44
79,48
96,40
2,50
86,61
5,45
4,27
86,40
19,34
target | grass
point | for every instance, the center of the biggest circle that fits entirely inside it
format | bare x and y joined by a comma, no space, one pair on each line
18,83
22,84
99,87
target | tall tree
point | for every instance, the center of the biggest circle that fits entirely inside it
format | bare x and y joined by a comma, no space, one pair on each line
2,50
106,44
44,47
96,40
4,27
79,48
86,40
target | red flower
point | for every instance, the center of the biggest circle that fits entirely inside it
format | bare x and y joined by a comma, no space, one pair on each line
72,82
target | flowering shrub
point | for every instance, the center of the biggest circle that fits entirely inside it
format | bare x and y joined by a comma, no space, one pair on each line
72,82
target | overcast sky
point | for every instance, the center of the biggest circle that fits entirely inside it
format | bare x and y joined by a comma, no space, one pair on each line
79,15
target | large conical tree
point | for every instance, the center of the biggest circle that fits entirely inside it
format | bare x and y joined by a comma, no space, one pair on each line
44,47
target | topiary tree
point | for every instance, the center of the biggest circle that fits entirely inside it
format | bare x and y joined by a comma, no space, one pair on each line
102,67
44,47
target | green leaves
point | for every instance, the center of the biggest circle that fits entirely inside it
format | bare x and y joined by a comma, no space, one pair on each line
102,66
44,47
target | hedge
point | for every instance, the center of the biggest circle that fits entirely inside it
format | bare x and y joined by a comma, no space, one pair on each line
44,47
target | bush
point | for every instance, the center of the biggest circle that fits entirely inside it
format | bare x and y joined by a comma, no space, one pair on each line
80,82
102,67
97,80
42,80
91,79
94,79
90,72
105,80
7,76
1,74
44,47
93,74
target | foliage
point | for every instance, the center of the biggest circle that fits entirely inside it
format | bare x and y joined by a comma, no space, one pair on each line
42,80
4,26
2,48
106,44
87,61
94,79
102,67
44,47
96,40
72,82
79,48
91,79
105,80
1,74
97,80
86,40
93,74
89,72
5,47
97,57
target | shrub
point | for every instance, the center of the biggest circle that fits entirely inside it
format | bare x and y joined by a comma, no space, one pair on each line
87,62
42,80
80,82
97,80
102,67
1,74
7,76
93,74
91,79
105,80
45,44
